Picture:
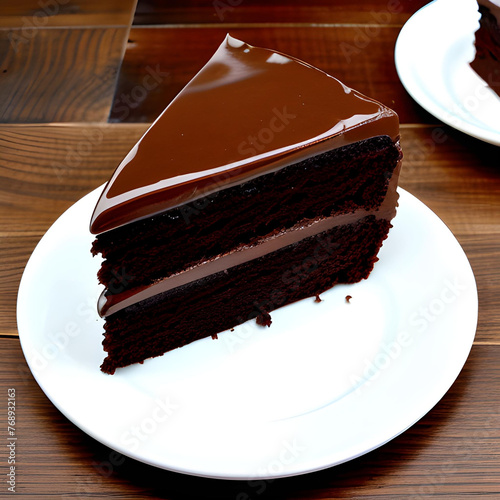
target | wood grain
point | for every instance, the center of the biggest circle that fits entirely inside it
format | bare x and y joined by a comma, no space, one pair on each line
451,452
66,70
362,59
283,11
59,75
33,14
44,169
14,254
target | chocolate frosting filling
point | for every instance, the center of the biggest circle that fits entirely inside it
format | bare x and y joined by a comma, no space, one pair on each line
109,304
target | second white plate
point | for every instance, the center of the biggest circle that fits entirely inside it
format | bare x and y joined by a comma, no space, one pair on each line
432,57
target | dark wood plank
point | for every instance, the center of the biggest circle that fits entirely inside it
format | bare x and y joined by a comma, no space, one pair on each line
33,14
14,254
158,63
281,11
54,165
455,175
42,174
452,451
59,75
45,169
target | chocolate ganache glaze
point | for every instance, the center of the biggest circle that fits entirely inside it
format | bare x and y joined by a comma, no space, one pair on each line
249,111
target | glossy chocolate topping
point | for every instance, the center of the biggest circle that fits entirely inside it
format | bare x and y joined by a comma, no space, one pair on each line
248,112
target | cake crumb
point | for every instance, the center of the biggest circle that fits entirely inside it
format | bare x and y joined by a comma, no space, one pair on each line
264,319
348,299
214,336
318,299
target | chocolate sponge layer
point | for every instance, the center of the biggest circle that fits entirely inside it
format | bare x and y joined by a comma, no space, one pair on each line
336,182
345,254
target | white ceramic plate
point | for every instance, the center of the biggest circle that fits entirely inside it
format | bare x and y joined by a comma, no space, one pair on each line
432,56
327,382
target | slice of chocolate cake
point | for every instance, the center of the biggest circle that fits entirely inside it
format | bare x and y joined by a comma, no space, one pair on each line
264,182
486,62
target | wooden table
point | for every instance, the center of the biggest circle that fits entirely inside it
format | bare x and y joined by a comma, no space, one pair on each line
74,101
